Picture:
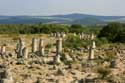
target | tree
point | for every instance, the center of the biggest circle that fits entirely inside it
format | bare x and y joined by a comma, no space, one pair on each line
120,37
76,28
111,31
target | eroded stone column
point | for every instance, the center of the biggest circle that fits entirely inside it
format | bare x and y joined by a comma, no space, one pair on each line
93,45
41,47
82,35
58,34
25,53
58,50
91,51
92,37
34,45
63,34
59,45
19,48
3,50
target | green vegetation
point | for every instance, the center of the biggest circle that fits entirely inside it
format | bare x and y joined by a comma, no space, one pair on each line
72,42
76,29
113,32
101,41
43,28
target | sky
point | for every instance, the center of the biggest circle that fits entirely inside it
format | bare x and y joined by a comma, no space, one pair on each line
53,7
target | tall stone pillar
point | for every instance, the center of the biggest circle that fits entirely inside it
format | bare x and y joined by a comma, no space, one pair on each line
93,45
3,50
58,34
92,37
25,53
63,34
59,46
74,34
19,48
91,51
41,47
34,45
58,50
80,35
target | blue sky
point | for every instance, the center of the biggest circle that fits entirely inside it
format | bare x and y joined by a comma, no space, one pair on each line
51,7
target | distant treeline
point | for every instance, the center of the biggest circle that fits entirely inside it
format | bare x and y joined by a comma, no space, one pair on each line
46,28
113,32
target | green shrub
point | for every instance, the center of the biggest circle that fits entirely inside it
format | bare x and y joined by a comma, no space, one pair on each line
114,32
72,42
101,41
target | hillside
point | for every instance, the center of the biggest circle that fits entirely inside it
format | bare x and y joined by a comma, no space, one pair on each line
62,19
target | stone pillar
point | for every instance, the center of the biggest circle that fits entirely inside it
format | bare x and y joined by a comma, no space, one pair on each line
19,48
74,34
3,50
57,58
80,36
58,50
93,45
92,36
41,47
91,51
59,46
63,34
87,36
25,53
58,35
54,34
6,76
34,45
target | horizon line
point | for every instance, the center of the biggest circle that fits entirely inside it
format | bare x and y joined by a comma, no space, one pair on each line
63,14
